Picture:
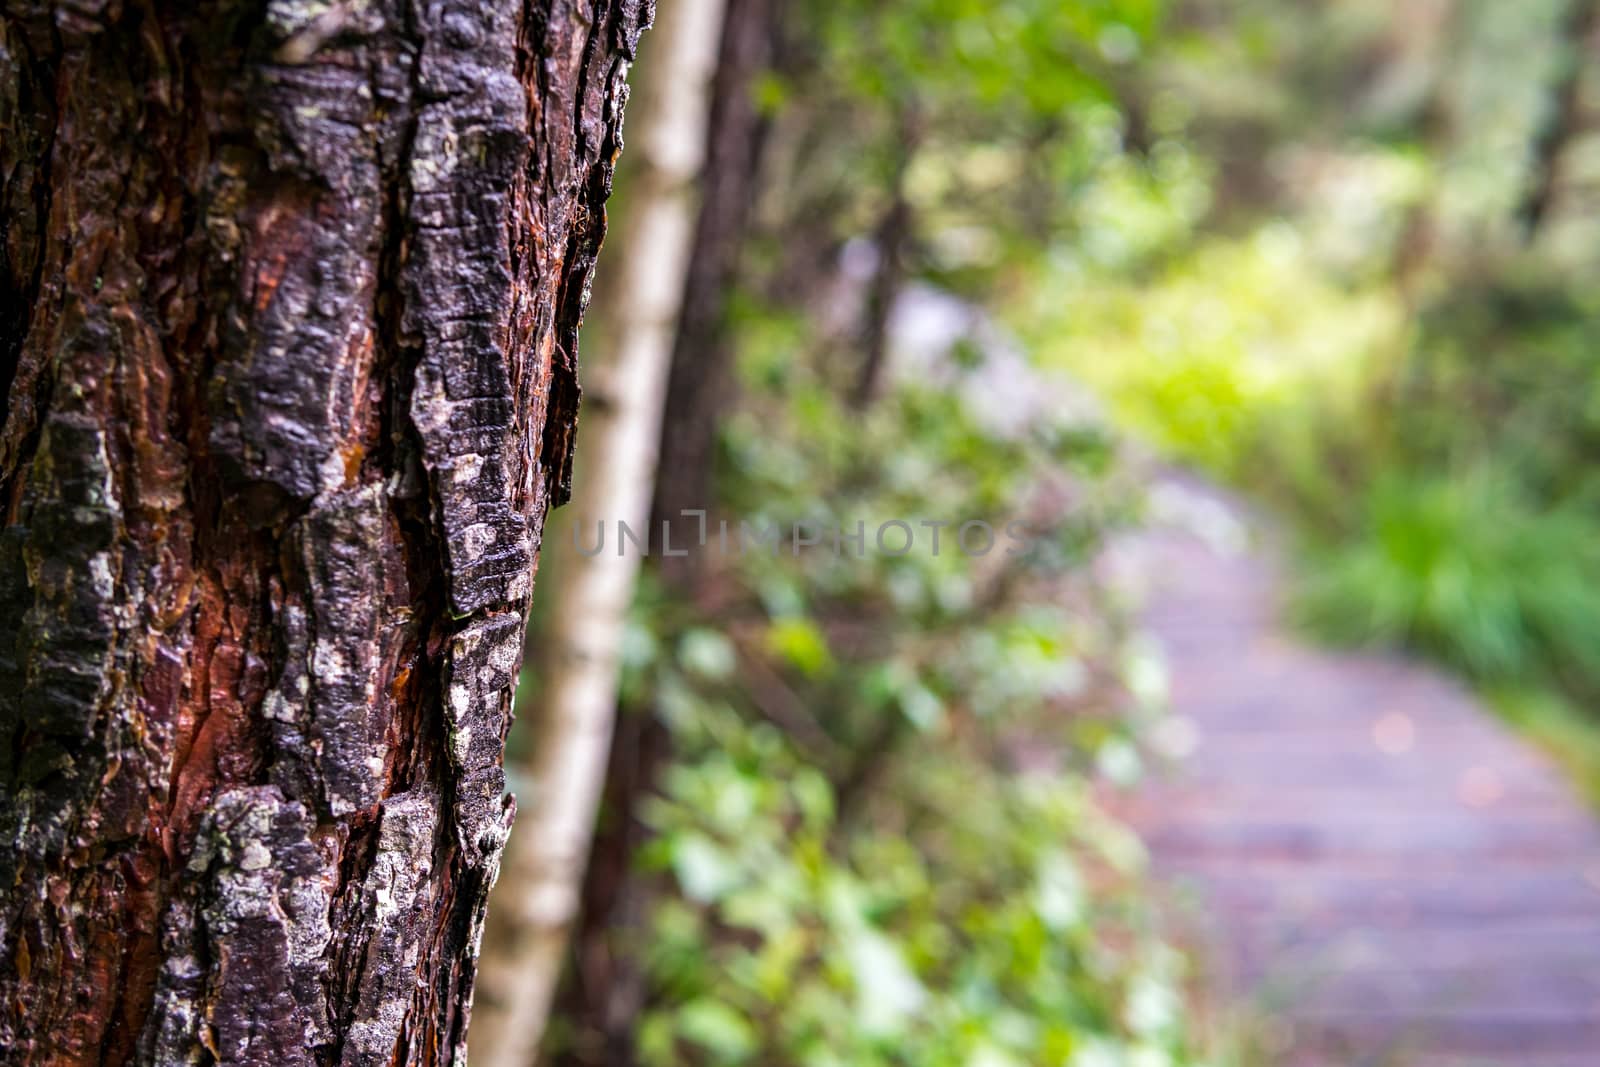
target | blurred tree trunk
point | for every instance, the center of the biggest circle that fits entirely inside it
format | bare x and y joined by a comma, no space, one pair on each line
1563,121
1445,26
891,241
698,385
637,312
603,990
1438,123
288,334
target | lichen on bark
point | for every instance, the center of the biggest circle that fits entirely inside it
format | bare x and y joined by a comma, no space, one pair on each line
289,299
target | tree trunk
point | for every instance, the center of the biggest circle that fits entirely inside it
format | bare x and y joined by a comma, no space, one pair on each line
538,899
289,325
604,991
1563,123
701,359
893,236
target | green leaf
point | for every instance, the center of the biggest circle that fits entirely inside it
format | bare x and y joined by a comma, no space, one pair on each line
717,1028
887,992
921,707
708,654
704,870
801,644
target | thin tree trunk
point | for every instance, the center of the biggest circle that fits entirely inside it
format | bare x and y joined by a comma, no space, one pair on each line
1563,122
538,896
1447,25
893,235
698,384
289,338
1438,124
604,991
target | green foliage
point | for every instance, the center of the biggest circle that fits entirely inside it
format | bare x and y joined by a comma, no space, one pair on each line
1467,570
1474,536
1503,376
1239,345
856,869
979,56
1245,225
878,838
989,120
1343,321
976,918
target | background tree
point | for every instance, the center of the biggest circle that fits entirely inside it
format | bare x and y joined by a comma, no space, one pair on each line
1579,37
289,340
602,995
820,125
700,381
1375,311
586,598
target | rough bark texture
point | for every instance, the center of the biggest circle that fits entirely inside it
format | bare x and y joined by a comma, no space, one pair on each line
288,338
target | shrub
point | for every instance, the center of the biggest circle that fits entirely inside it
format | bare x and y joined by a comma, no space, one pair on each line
1466,569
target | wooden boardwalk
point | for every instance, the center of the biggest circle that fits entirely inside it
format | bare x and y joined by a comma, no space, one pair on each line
1375,862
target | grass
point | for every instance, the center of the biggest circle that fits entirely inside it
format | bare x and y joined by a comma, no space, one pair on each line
1465,570
1559,726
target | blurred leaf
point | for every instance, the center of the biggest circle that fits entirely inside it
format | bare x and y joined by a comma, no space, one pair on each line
703,869
717,1028
707,653
887,992
922,709
799,643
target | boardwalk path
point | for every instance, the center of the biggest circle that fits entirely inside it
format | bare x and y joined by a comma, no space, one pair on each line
1375,860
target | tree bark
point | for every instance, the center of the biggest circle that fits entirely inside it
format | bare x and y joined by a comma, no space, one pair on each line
538,898
288,334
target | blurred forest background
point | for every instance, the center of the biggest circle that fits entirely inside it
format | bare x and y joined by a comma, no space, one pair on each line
999,259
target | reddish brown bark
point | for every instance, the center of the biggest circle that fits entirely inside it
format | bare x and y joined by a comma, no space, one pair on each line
288,333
